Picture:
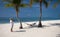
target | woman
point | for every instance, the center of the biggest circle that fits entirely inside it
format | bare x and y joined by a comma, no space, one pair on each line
11,23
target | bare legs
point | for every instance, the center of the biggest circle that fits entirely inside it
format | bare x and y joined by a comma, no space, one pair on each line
12,28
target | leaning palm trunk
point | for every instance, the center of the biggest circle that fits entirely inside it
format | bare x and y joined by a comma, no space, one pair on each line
40,24
17,3
17,9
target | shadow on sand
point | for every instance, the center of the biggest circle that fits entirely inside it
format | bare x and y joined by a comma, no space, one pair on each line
55,24
36,26
20,31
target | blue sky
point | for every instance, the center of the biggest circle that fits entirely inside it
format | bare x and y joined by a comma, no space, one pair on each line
30,12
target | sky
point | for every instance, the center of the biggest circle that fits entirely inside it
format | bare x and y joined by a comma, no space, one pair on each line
34,11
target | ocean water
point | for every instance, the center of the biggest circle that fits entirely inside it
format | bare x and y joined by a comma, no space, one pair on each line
29,14
6,20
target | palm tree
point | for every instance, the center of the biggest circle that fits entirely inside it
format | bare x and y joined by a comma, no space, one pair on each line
16,4
40,24
46,5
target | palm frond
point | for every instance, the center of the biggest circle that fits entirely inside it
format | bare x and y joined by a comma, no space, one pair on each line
45,3
31,2
36,1
55,5
23,5
16,1
9,5
7,1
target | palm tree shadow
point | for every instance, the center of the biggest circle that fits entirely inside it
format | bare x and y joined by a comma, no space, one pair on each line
20,31
28,27
36,26
55,24
45,26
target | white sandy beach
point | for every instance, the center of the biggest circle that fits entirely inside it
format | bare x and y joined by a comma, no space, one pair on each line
50,29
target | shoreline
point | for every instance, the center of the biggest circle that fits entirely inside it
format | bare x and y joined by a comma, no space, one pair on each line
31,21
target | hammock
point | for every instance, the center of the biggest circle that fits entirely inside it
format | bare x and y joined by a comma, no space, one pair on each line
31,24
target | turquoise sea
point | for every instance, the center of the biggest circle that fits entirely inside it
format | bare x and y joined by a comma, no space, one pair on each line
6,20
29,14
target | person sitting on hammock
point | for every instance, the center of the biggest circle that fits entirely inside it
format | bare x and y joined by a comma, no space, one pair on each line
31,24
